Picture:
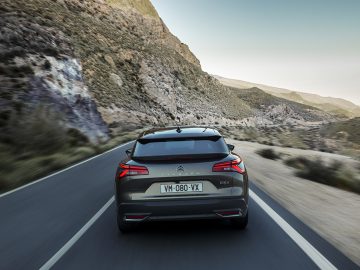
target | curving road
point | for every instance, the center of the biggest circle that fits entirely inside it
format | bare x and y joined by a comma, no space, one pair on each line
67,221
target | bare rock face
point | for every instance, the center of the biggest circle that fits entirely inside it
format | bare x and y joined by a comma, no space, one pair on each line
41,70
62,88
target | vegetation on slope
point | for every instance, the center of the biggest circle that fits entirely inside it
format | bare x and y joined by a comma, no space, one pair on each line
143,6
348,129
45,146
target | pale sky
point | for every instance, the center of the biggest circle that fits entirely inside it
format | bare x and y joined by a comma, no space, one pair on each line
309,45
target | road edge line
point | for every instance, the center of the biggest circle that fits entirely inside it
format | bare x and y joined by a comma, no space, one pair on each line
309,249
61,171
61,252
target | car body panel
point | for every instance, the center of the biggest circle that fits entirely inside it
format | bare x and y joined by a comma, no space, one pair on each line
140,195
183,208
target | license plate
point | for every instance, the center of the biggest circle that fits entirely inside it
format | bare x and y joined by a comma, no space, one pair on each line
181,188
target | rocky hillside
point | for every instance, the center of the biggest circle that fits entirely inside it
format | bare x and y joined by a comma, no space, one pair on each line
103,63
100,66
269,110
336,106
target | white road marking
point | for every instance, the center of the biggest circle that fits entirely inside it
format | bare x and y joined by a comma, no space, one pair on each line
61,171
57,256
309,249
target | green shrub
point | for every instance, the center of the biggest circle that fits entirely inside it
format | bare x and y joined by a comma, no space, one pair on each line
39,131
16,169
335,174
11,53
298,162
268,153
76,138
47,65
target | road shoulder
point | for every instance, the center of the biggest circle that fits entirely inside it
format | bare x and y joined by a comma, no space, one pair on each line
331,212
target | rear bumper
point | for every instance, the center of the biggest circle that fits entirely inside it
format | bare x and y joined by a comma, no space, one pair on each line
186,209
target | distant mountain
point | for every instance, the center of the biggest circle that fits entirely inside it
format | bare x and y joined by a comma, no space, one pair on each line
337,106
273,110
246,85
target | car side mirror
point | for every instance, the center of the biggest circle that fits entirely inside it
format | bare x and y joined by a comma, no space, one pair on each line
128,152
230,147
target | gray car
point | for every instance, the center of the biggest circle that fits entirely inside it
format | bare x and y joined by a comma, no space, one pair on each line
181,173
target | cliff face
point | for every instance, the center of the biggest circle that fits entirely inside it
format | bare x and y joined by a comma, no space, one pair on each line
39,71
106,64
152,27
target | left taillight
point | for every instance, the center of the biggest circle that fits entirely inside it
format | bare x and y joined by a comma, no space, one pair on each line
236,165
131,170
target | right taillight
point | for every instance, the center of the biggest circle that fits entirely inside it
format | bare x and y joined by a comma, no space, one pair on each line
236,165
131,170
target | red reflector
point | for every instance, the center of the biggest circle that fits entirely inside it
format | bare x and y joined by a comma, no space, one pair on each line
229,213
132,170
236,165
135,217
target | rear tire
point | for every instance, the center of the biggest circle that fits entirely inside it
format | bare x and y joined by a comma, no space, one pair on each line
123,226
240,223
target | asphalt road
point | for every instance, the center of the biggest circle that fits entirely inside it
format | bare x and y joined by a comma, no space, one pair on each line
37,222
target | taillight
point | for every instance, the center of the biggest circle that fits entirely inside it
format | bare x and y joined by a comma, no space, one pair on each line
236,165
132,170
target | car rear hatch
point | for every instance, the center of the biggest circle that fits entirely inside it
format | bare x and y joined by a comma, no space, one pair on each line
179,169
178,179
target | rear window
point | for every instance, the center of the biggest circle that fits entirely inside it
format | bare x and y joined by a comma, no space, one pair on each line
181,148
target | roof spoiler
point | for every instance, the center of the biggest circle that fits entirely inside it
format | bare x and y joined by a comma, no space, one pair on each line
148,140
174,127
